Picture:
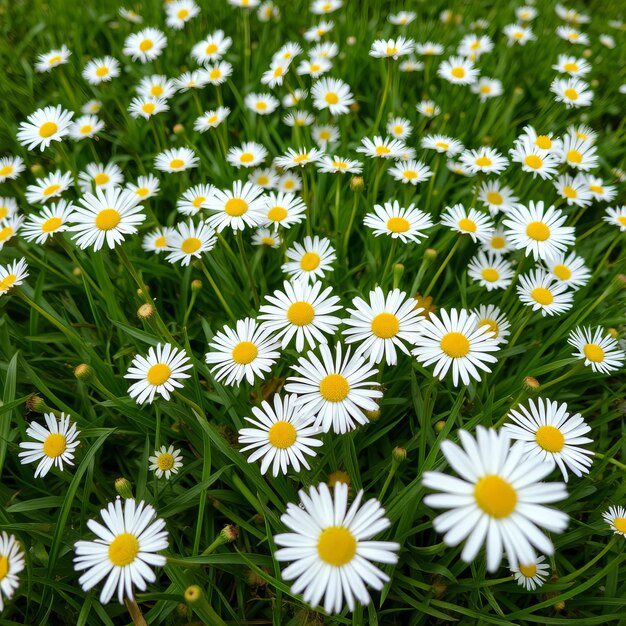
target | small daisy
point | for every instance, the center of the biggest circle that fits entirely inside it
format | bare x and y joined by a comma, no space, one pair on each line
267,238
108,216
487,88
275,75
125,550
315,33
101,70
616,216
283,209
100,177
91,107
191,80
573,66
212,48
263,104
453,341
211,119
9,227
406,224
289,182
48,187
517,34
165,462
12,559
159,372
474,46
176,160
332,94
237,209
490,271
572,35
180,12
146,45
54,58
194,199
147,107
572,91
280,436
391,48
383,324
458,71
498,499
596,186
335,389
532,575
12,275
571,16
534,159
429,49
378,147
51,220
298,118
287,52
601,352
86,126
8,207
473,223
578,153
615,517
44,126
490,316
339,165
247,352
428,108
496,197
294,98
325,135
570,270
298,158
320,7
412,172
484,159
325,50
130,16
188,242
314,67
264,177
146,187
411,65
541,292
156,86
442,144
330,547
538,231
402,18
54,444
11,167
546,142
217,73
249,154
574,190
267,11
399,127
550,434
310,259
157,240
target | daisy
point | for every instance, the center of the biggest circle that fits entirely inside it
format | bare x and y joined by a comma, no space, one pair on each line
615,517
100,176
526,13
573,66
314,67
12,559
283,209
266,237
325,50
9,227
146,45
11,167
539,291
212,48
265,178
156,86
263,104
275,75
546,142
391,48
48,187
315,33
289,182
8,207
484,159
574,190
413,172
378,147
180,12
130,16
267,11
339,165
294,98
497,197
287,52
383,324
490,316
601,352
515,33
411,65
428,108
429,49
586,133
406,224
176,160
280,436
249,154
191,80
572,35
458,71
532,575
188,242
534,159
51,220
402,18
246,352
498,499
211,119
578,153
310,259
474,46
86,126
217,73
108,216
298,158
572,91
44,126
473,223
194,199
101,70
53,445
54,58
570,270
319,7
126,547
330,547
146,187
335,389
453,341
598,189
147,107
399,127
538,231
616,216
442,144
332,94
159,372
91,107
165,462
298,118
241,207
571,16
12,275
490,271
157,240
487,88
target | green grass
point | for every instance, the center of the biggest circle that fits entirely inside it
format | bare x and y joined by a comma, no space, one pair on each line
79,307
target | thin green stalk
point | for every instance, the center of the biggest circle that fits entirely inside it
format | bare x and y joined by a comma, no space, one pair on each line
218,293
346,237
247,268
610,459
383,101
442,267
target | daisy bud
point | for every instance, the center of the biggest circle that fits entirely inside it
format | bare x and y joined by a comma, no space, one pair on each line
193,594
398,454
37,170
178,129
196,285
372,416
182,610
36,404
351,40
430,254
357,183
145,311
559,606
140,291
587,52
338,476
124,488
518,91
440,425
446,117
76,271
355,107
254,580
84,372
621,278
613,332
440,588
230,532
531,383
594,83
398,270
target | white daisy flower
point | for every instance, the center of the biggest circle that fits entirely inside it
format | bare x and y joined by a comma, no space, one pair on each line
411,65
428,108
429,49
314,67
402,18
320,7
289,182
264,177
339,165
12,560
294,98
573,66
165,462
188,242
458,71
100,176
325,135
315,33
391,48
517,34
194,199
474,46
180,12
473,222
211,119
156,86
130,16
86,126
11,167
546,142
332,94
266,237
211,48
298,158
12,275
570,270
533,159
574,190
490,316
616,216
532,575
51,220
586,133
176,160
157,240
573,92
484,159
44,126
48,187
262,104
54,58
378,147
159,372
240,208
283,209
600,351
91,107
490,271
412,172
146,187
298,118
615,517
274,76
249,154
101,70
497,197
191,80
216,73
497,242
147,107
578,153
596,186
310,259
442,144
571,16
325,50
406,224
146,45
8,207
9,227
572,35
541,292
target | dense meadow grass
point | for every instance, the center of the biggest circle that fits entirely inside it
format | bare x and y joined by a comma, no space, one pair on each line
71,330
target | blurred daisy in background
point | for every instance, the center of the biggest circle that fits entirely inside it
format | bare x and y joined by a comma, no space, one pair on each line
146,45
12,560
52,59
12,275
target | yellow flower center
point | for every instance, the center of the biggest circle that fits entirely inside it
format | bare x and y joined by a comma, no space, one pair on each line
289,184
342,165
385,325
550,438
47,129
485,89
4,567
148,108
455,345
244,352
107,219
301,158
483,161
544,142
528,571
310,261
5,233
182,14
493,197
158,374
336,546
315,68
246,157
156,90
262,180
334,388
176,164
493,327
571,94
198,201
51,224
165,461
48,191
142,192
7,282
593,352
54,445
410,174
235,207
6,170
562,272
382,150
325,135
574,156
391,51
55,59
537,231
475,45
497,242
190,245
542,295
467,225
331,98
215,73
211,49
86,129
443,145
278,72
282,435
123,549
533,161
622,220
457,72
261,106
145,45
160,242
102,71
267,241
300,313
569,192
277,214
490,274
212,119
101,179
495,496
596,189
619,523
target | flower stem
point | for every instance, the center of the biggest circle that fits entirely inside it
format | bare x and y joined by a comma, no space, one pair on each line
248,269
346,237
135,612
384,98
442,267
218,293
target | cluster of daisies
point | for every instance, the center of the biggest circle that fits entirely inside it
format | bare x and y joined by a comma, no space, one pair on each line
335,350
